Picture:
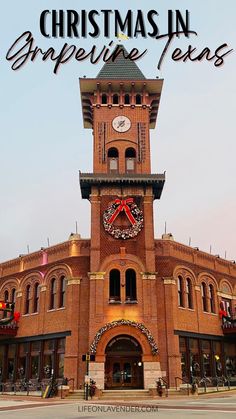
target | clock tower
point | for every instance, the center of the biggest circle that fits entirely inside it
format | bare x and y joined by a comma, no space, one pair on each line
121,107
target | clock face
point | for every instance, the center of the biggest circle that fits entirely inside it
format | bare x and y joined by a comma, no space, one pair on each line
121,123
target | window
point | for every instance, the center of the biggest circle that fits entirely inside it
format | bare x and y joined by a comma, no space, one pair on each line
48,358
104,99
53,294
113,156
127,99
204,296
183,353
6,296
62,291
115,99
189,293
11,362
212,298
60,357
36,298
138,99
130,156
114,285
180,292
27,300
13,295
34,359
130,285
22,355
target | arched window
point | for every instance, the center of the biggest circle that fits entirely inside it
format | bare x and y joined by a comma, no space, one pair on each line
204,296
138,99
113,158
13,295
212,298
180,292
127,99
53,294
189,293
27,300
104,99
114,285
6,297
130,156
130,153
115,99
36,298
130,285
62,291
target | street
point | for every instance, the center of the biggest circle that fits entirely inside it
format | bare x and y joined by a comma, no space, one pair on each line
176,408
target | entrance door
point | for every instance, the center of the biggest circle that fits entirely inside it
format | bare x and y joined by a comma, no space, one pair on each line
123,368
123,373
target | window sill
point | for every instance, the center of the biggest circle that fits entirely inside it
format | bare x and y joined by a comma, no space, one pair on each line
114,302
55,309
208,312
186,308
131,302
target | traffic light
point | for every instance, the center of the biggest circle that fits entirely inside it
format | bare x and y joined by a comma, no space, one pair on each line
5,306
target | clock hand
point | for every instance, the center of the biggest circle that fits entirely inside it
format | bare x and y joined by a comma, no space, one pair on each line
121,123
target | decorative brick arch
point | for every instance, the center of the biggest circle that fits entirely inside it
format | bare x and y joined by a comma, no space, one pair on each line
109,260
208,279
9,284
228,286
124,327
185,272
57,271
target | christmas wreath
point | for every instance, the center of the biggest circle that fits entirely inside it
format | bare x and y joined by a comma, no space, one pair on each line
133,213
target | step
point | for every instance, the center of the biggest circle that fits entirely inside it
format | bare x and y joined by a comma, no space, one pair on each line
76,394
125,394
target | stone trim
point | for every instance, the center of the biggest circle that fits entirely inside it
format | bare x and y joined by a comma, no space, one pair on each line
43,288
149,275
224,295
197,287
19,294
169,281
74,281
96,275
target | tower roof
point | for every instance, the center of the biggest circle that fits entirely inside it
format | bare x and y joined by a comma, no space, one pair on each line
121,68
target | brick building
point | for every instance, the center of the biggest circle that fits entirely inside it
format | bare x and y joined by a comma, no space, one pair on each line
146,308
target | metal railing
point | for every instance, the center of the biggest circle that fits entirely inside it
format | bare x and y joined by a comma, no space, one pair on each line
183,381
164,384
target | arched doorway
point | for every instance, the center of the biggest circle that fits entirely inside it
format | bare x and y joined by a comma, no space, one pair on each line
123,366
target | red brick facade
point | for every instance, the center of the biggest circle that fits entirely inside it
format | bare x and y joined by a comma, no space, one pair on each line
165,304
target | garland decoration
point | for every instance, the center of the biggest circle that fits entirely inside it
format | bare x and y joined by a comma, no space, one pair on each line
133,213
123,322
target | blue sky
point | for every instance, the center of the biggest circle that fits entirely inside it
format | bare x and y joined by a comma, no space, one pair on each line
44,145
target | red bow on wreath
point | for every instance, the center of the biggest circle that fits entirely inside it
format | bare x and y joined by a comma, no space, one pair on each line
123,206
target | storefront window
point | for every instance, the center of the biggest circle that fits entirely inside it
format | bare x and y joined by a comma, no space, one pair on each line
206,358
2,351
34,359
48,357
194,358
217,358
183,354
11,362
21,370
230,359
60,357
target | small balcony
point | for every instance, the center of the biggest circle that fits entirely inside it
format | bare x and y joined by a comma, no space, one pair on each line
8,330
229,327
